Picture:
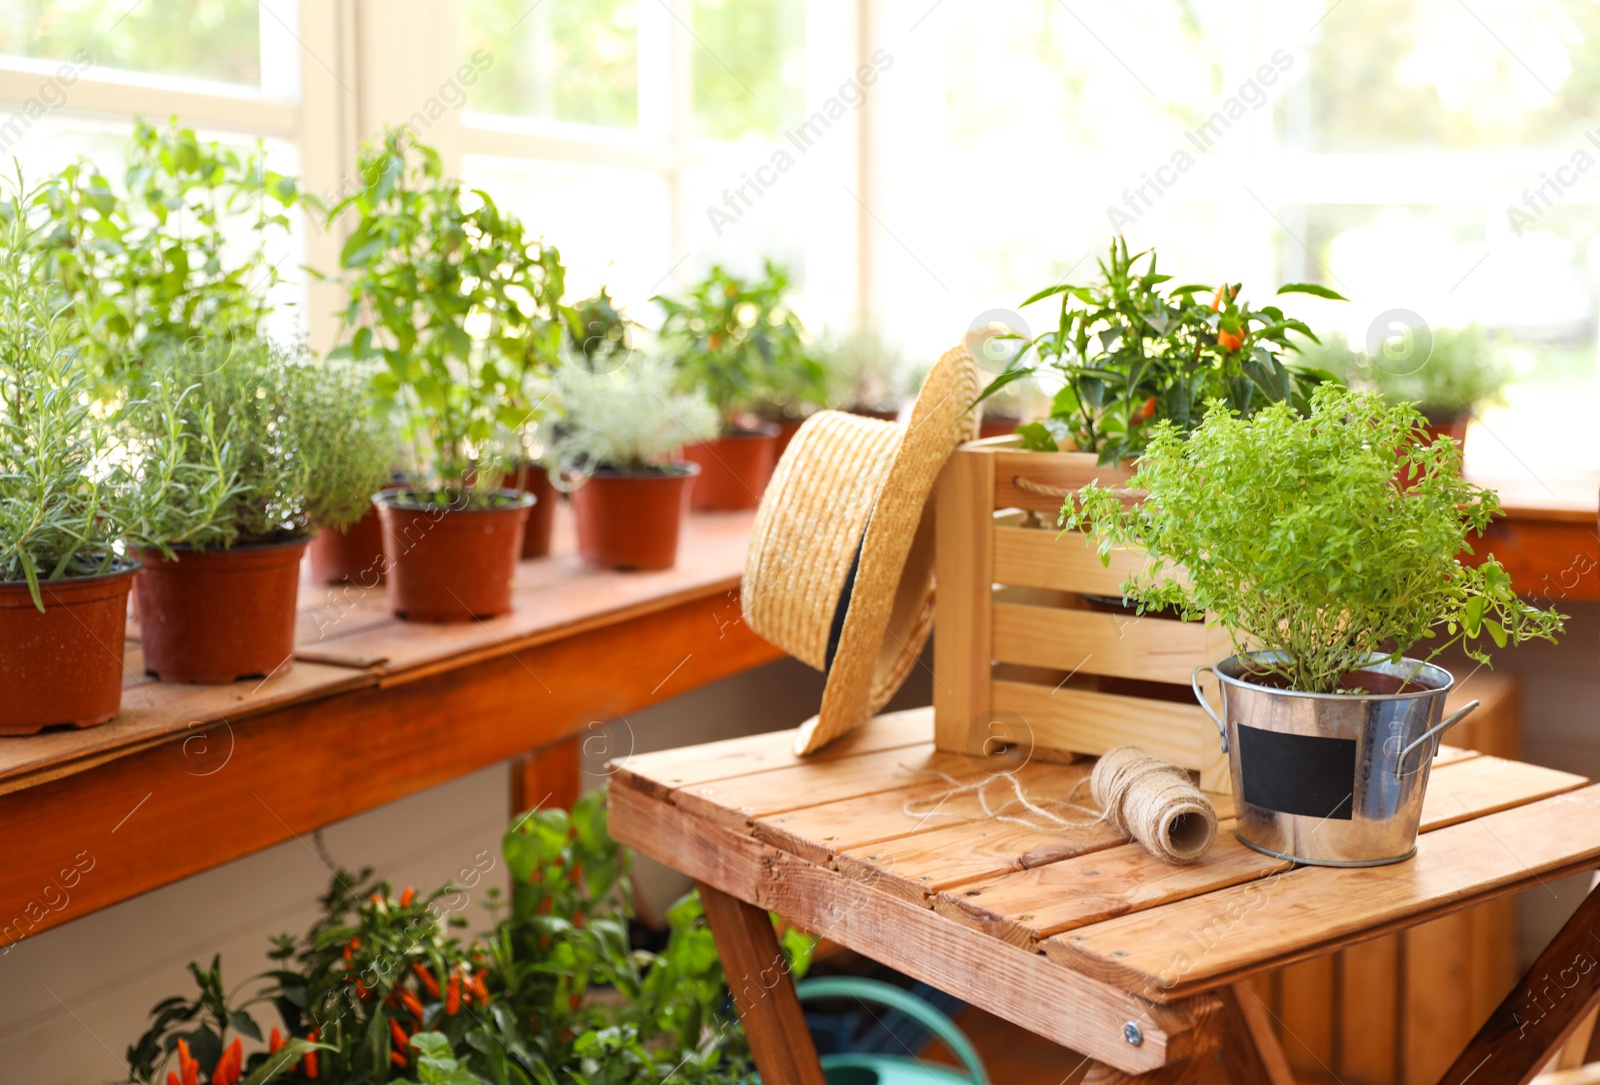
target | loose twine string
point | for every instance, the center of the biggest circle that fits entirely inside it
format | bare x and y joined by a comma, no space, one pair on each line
1134,793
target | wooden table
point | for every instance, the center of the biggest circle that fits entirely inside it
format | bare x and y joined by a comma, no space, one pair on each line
1083,938
1548,539
373,709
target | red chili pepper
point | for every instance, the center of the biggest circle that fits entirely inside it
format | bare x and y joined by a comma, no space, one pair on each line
483,988
172,1078
361,990
230,1067
275,1042
397,1058
411,1002
1216,300
400,1038
429,984
407,897
311,1056
351,947
188,1066
452,998
1228,341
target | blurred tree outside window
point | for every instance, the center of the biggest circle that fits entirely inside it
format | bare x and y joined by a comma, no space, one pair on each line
749,68
560,60
217,40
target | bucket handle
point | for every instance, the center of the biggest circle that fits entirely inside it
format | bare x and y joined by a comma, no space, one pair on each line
1222,728
1432,733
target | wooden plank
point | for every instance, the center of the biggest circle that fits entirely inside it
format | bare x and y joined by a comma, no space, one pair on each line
1542,1010
1369,1011
751,754
1207,1016
554,599
296,768
1186,947
821,831
1156,649
1305,1016
1061,470
1024,907
1090,722
1436,1000
1483,785
1250,1049
1046,558
1553,561
758,979
1496,727
1058,1003
549,778
964,568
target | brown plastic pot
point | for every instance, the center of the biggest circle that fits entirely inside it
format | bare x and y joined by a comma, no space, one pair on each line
734,468
448,563
215,616
632,519
533,478
353,555
63,666
787,428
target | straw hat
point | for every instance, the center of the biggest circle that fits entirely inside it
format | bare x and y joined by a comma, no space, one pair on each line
840,568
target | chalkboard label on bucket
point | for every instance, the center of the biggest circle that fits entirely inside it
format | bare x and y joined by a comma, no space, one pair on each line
1308,775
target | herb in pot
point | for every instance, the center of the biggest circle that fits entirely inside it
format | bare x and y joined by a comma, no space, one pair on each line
1308,544
1132,351
1448,373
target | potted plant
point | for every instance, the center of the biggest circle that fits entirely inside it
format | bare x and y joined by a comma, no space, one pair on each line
218,602
360,445
70,500
461,306
866,376
1450,374
1327,570
739,341
1130,351
620,431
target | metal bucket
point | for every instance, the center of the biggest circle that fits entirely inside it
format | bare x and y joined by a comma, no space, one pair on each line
1331,779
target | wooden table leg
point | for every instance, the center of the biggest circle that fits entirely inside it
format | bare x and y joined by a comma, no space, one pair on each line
1542,1010
1207,1014
758,976
1250,1048
549,777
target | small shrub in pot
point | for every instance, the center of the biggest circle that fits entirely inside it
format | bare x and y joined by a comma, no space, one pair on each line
1328,566
739,341
73,495
620,431
462,307
285,431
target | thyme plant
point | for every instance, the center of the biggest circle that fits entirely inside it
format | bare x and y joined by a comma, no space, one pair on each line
298,439
1322,540
73,489
630,419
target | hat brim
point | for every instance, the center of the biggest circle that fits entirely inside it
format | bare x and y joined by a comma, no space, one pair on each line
889,611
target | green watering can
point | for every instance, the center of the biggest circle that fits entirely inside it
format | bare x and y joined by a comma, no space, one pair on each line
849,1068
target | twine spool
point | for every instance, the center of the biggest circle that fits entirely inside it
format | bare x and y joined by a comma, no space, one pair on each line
1155,803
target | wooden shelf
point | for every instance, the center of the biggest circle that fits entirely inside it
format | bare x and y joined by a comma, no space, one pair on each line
373,709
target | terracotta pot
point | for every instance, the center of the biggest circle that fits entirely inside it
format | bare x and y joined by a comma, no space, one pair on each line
214,616
786,431
734,468
1444,425
353,555
999,425
535,480
632,519
451,564
63,666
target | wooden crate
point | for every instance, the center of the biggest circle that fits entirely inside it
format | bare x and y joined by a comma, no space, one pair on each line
1022,656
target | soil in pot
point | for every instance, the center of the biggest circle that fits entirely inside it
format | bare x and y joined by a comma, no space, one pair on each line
633,519
351,556
534,478
1368,683
63,666
449,563
734,468
215,616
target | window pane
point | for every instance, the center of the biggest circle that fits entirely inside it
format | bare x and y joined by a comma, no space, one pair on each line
749,67
1436,74
610,224
563,60
198,39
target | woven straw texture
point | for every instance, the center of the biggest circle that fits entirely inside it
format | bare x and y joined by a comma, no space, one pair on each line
847,480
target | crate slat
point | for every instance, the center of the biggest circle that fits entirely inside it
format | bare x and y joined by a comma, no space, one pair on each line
1154,649
1043,558
1086,721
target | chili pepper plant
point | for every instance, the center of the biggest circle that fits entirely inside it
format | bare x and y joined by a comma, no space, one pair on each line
1130,351
385,987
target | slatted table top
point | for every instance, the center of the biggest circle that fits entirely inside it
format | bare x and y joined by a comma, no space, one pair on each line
881,823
